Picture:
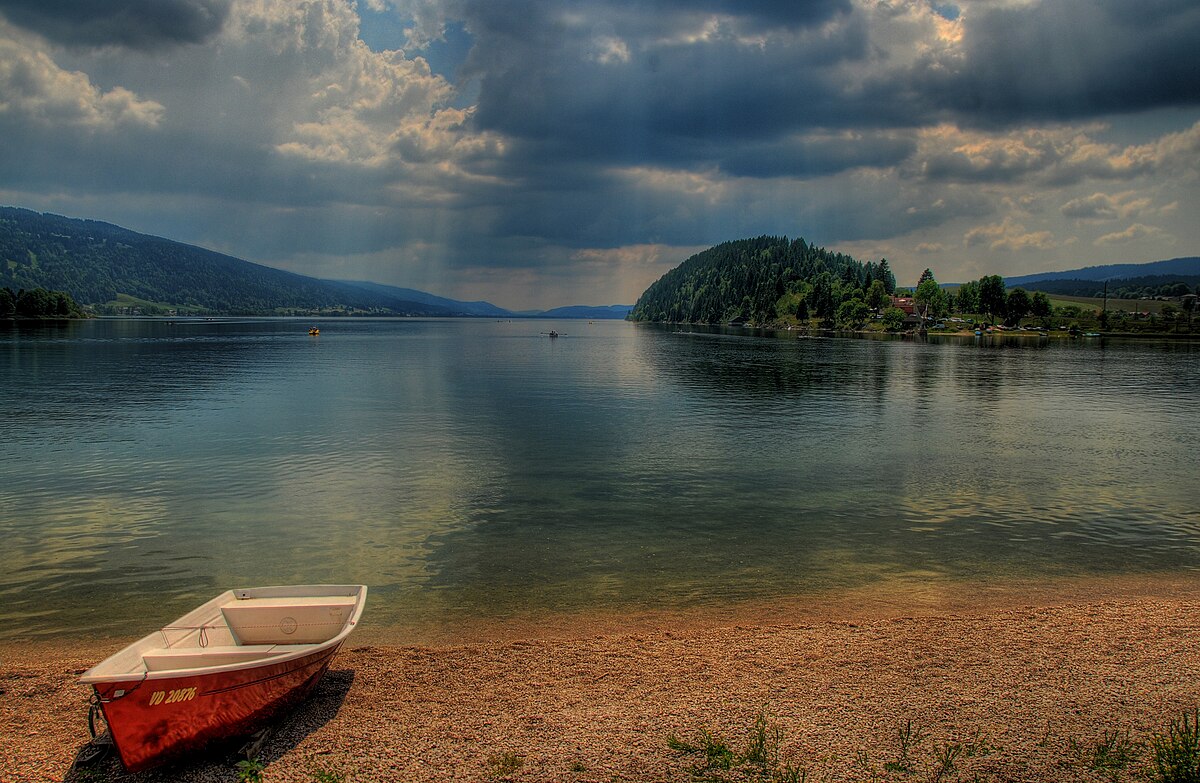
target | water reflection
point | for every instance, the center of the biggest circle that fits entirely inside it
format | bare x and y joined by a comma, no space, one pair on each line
471,469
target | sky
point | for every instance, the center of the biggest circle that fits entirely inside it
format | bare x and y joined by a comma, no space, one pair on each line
538,154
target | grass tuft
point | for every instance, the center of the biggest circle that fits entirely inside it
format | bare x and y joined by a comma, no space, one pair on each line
250,771
1111,755
910,738
328,776
759,762
1176,754
504,764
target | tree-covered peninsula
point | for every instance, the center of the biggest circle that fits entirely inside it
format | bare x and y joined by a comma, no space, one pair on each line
777,281
760,280
39,304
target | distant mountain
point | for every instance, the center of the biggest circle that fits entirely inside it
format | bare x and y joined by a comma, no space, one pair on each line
409,294
1146,287
1173,267
1173,278
595,313
99,263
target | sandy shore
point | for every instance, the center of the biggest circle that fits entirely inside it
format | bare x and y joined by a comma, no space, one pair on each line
1025,693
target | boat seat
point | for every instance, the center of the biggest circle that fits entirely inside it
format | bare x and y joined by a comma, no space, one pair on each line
288,620
199,657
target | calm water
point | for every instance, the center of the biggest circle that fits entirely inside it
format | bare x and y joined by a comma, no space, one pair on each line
473,470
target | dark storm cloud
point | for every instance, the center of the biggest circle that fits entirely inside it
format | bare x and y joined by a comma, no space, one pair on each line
136,24
552,84
759,13
819,156
554,87
1063,60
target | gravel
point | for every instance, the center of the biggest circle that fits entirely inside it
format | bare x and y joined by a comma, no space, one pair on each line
1025,694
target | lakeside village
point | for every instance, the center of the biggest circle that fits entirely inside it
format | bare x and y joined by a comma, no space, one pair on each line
986,306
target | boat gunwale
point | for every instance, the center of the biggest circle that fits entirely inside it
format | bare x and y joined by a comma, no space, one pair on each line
149,641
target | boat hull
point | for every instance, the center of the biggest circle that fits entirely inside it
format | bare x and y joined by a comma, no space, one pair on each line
154,720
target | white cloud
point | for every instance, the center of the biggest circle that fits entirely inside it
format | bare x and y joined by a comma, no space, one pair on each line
34,89
1009,236
1134,232
1102,206
1056,156
609,50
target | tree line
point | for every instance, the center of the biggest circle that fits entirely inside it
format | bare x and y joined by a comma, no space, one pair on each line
986,296
772,280
38,303
769,279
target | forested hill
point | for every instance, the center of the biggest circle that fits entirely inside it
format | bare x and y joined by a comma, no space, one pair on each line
94,262
758,280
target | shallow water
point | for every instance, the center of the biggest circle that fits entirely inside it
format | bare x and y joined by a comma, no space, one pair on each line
471,470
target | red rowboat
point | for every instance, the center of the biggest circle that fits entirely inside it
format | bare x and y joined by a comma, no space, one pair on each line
222,669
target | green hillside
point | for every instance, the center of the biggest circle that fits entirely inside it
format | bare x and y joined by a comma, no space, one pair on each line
760,280
99,263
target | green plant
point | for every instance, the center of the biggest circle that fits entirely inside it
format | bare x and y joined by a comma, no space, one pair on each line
1176,754
863,762
760,761
762,750
717,753
328,776
1112,754
504,764
944,760
909,737
250,771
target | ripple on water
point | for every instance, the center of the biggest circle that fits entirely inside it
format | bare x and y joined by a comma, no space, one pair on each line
468,469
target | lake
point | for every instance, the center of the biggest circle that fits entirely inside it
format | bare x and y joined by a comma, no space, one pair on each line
473,471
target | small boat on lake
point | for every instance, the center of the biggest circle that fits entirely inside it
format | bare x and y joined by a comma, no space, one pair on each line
314,331
222,669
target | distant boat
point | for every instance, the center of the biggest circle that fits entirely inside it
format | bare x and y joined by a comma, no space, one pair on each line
553,333
314,331
222,669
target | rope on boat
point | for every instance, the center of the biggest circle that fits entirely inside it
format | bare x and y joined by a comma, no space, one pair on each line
201,637
94,714
101,743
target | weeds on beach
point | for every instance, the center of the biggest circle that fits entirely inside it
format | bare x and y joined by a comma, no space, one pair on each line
760,761
1176,753
250,771
910,738
1171,755
1113,754
504,764
328,776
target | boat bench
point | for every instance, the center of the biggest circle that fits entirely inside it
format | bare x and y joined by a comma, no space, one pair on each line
288,620
199,657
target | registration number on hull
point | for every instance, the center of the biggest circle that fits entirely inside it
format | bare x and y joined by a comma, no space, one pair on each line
170,697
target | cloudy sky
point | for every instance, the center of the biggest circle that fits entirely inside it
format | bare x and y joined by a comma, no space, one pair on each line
538,153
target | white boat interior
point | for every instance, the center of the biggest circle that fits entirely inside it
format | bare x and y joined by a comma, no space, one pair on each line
237,628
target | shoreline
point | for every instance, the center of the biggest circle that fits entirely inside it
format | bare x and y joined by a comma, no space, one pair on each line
589,703
888,598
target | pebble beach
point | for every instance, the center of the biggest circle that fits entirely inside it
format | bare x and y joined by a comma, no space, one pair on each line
1013,693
